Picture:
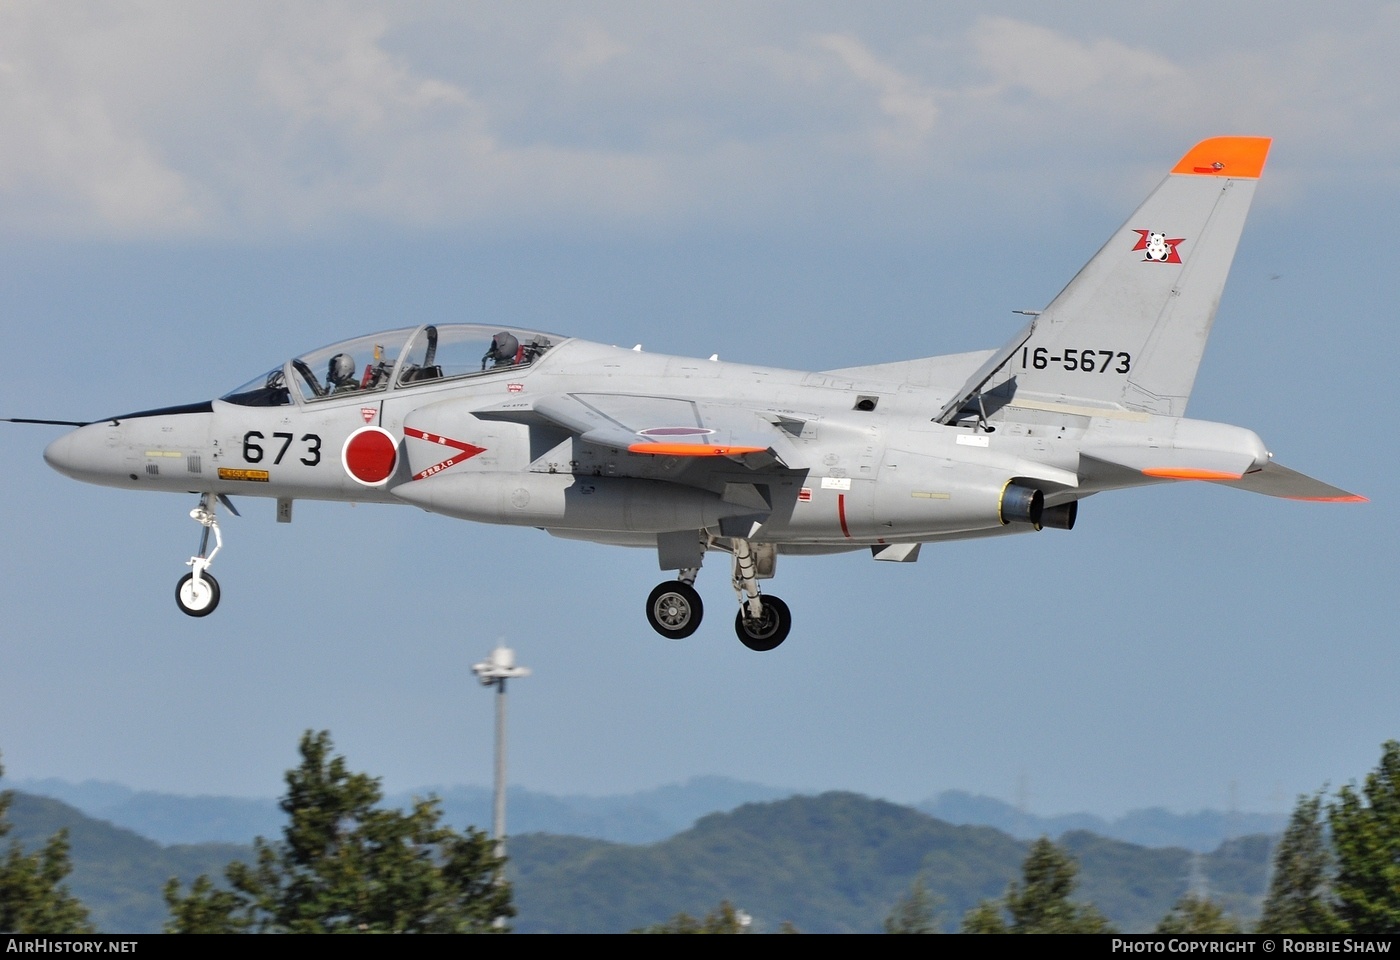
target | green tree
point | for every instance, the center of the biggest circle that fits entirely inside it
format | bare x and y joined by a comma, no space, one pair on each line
1366,837
33,898
346,866
207,909
985,918
1193,914
1299,899
1040,902
917,912
723,919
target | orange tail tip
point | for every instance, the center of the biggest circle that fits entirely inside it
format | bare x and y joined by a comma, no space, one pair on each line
1238,157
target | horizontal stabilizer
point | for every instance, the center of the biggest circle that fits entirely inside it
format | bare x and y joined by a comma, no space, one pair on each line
1276,480
1186,450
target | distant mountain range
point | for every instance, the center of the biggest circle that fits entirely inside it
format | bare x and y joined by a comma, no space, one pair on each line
117,873
1202,831
838,862
643,817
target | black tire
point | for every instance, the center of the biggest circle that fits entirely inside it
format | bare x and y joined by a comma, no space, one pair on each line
768,631
674,609
193,604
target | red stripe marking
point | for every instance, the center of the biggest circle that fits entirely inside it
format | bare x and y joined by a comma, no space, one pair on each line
469,450
841,512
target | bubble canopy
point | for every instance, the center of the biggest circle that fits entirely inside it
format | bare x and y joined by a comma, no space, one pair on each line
394,359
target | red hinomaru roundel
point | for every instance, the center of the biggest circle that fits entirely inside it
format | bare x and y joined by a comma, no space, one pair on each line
369,456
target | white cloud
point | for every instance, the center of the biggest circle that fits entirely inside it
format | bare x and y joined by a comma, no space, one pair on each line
338,76
902,98
1052,66
66,155
265,118
586,47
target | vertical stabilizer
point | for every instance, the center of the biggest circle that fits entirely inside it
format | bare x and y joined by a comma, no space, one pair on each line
1131,327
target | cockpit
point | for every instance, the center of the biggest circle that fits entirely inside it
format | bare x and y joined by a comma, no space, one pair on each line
395,359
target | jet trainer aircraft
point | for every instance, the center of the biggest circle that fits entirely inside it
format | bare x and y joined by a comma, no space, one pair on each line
687,457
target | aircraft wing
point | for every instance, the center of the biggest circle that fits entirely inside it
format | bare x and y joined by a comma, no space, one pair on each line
660,426
1276,480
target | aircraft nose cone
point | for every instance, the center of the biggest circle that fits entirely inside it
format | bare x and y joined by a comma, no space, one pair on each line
74,454
60,454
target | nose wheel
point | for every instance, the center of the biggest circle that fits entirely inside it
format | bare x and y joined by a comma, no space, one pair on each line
674,609
197,598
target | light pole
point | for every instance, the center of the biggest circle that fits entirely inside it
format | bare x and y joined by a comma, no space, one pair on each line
495,670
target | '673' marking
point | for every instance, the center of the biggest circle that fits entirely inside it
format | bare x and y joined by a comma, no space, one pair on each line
253,451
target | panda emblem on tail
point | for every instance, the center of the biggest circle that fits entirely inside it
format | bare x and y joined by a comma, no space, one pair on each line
1156,248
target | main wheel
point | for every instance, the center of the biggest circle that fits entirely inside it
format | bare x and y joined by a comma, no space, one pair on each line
674,609
197,599
769,630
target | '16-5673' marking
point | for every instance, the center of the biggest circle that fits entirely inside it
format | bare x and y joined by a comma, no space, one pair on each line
1083,361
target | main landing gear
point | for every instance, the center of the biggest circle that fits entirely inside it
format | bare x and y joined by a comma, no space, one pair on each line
197,593
766,629
674,609
762,623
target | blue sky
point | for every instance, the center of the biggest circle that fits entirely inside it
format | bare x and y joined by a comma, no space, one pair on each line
188,195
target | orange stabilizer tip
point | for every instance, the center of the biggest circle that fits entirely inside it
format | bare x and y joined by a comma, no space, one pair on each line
1190,473
1349,498
1239,157
692,450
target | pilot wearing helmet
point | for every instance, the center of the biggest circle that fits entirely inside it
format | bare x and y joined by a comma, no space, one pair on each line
340,374
503,352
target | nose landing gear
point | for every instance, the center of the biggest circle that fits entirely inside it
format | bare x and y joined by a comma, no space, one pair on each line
197,593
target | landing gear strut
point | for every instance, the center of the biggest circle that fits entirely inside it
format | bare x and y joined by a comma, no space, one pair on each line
762,622
674,609
197,593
